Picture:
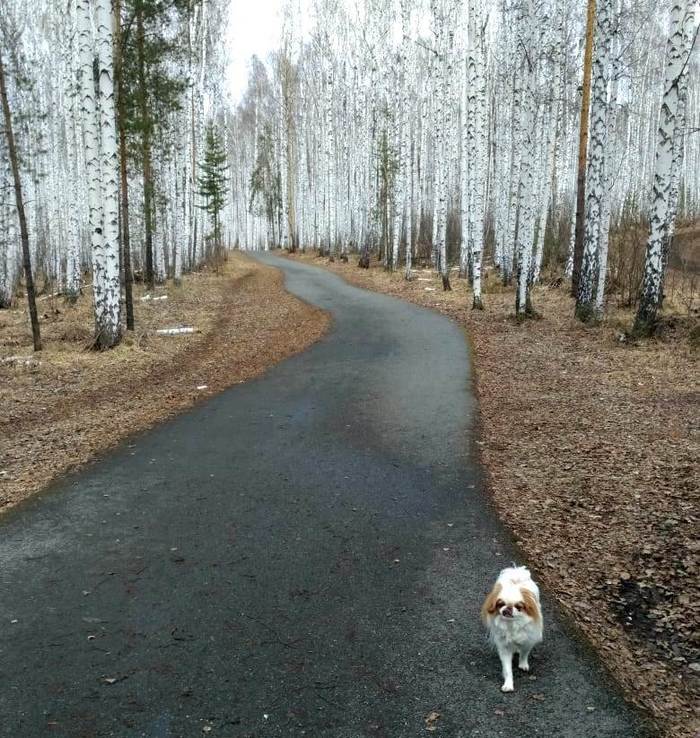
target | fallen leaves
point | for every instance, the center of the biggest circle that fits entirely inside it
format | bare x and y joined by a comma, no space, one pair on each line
431,720
109,681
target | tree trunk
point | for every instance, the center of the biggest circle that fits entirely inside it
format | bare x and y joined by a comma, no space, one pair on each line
652,286
582,149
284,151
24,232
478,151
121,123
443,70
145,148
525,226
690,25
609,181
105,259
596,192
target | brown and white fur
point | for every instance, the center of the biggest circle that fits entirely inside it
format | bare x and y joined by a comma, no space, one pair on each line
513,616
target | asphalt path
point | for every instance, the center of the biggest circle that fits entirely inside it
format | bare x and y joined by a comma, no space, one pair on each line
301,555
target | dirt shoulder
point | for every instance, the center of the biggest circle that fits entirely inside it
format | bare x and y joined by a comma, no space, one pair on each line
67,404
591,450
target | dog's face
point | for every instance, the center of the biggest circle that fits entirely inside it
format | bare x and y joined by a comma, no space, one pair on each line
510,603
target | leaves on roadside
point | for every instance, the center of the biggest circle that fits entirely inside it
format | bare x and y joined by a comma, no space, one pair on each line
431,720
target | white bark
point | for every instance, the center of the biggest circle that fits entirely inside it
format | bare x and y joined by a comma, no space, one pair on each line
597,149
284,150
106,282
692,16
401,141
477,138
101,161
526,209
676,59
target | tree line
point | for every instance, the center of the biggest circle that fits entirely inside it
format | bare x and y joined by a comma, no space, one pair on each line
430,132
110,154
440,130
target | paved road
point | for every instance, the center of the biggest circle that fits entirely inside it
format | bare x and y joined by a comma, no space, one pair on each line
303,555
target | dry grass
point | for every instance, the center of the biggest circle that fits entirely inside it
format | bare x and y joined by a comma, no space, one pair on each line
591,448
70,403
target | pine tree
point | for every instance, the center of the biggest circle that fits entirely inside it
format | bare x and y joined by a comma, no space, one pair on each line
150,92
213,184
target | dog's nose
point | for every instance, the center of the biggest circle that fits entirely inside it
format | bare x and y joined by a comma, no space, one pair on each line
507,612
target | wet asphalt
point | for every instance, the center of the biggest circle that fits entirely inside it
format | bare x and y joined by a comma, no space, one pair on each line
301,555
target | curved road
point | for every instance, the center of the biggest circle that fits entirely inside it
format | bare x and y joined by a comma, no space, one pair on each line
302,555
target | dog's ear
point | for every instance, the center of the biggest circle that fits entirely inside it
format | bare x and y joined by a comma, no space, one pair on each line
489,606
531,606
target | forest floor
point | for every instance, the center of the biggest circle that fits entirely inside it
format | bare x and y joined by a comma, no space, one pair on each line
590,446
61,407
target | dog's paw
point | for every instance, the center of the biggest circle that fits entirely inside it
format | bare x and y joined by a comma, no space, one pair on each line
524,667
507,687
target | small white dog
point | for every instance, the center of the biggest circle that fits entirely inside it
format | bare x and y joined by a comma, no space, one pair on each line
512,614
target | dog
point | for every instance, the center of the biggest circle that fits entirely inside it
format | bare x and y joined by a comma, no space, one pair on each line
513,616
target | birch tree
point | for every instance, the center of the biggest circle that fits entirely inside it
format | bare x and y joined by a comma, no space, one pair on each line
100,150
526,126
576,253
105,266
596,191
442,72
677,57
476,137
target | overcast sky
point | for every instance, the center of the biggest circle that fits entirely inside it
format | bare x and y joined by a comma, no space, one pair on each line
254,28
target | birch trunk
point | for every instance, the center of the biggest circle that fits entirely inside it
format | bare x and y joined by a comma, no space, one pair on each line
284,154
595,177
690,24
478,100
121,122
106,282
526,210
582,149
652,286
609,182
147,171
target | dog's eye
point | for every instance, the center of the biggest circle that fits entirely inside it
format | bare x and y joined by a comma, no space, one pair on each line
519,606
500,603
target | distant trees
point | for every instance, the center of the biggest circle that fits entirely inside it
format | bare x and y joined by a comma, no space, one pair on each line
449,133
419,132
